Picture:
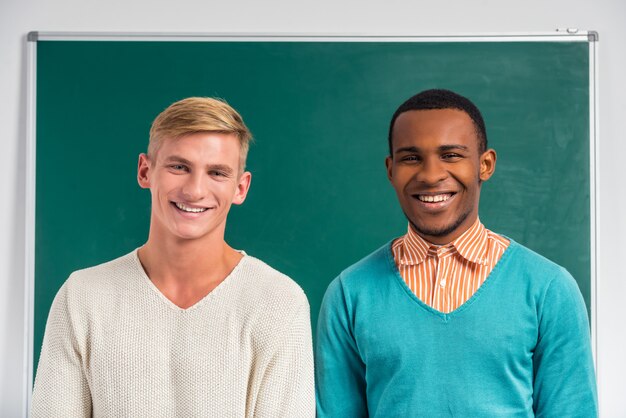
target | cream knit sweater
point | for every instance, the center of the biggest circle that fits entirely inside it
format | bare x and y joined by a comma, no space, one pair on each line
116,347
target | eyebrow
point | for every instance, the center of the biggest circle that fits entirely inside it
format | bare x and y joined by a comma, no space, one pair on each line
453,147
177,159
219,167
441,148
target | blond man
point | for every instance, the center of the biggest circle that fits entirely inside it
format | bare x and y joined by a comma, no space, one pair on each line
184,326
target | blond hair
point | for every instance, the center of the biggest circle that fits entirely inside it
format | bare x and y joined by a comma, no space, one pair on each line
199,114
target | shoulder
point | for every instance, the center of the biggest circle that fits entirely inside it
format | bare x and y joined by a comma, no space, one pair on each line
103,279
365,275
378,261
262,285
558,301
527,261
94,291
537,271
269,302
374,265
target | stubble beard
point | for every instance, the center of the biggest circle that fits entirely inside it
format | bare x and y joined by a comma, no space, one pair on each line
439,232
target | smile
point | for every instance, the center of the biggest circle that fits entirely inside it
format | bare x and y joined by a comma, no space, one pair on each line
189,209
434,198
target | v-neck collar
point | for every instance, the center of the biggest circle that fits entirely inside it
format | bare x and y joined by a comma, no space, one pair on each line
487,284
224,284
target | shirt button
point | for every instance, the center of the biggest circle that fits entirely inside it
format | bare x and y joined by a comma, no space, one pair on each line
442,283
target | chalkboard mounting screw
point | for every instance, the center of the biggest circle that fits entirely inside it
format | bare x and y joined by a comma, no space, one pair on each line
571,31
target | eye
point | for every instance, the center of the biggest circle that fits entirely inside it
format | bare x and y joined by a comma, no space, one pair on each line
451,156
218,173
178,167
410,159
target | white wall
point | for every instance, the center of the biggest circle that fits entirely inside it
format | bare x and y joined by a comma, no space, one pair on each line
399,17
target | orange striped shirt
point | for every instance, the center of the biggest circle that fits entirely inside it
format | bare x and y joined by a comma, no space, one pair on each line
446,276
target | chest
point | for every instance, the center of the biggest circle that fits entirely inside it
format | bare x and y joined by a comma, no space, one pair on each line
152,357
495,330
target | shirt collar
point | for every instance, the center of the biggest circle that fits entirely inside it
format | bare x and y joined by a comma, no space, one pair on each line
471,245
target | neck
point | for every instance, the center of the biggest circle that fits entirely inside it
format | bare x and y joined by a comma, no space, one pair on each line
193,263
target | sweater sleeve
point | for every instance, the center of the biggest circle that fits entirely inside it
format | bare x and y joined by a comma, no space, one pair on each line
339,369
287,387
564,383
61,389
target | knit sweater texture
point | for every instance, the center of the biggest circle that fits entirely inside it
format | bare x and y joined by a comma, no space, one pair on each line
519,347
115,346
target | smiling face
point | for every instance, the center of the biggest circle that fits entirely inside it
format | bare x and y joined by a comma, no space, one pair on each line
436,169
193,181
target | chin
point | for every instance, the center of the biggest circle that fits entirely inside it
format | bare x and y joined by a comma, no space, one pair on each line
187,235
440,229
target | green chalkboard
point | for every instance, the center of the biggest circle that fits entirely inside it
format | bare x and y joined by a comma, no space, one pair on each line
319,111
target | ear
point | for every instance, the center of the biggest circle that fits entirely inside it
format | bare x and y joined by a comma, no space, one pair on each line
243,185
389,164
487,164
143,171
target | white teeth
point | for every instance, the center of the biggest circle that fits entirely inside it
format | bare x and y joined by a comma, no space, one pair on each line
181,206
435,198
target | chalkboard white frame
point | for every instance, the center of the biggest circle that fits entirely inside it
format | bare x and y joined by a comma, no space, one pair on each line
567,35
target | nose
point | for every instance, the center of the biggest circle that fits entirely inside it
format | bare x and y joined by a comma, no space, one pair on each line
194,187
431,171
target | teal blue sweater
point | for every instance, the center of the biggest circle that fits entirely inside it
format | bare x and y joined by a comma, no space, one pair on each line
519,347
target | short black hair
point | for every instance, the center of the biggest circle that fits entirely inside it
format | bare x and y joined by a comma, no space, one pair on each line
442,99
